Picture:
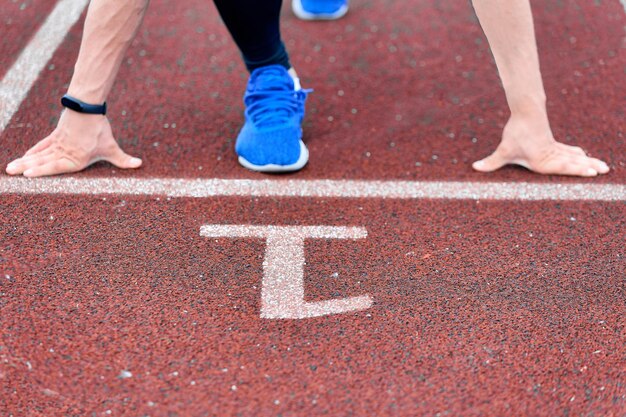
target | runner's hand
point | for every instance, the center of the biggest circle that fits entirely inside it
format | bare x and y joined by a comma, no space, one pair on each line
531,145
78,141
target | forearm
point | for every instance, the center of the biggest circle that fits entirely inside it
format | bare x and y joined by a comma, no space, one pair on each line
110,27
508,25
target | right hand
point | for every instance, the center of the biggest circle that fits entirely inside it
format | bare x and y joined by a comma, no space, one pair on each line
78,141
528,141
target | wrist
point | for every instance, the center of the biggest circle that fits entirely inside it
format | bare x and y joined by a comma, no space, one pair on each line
82,107
88,95
526,104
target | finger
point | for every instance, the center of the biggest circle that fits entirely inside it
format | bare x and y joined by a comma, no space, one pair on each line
599,165
594,163
567,166
122,160
15,167
56,166
45,152
491,163
12,169
20,165
42,145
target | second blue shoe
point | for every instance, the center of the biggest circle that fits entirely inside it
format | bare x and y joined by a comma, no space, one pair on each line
319,9
271,137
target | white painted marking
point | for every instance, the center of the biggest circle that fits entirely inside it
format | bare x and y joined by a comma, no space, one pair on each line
282,291
18,81
205,188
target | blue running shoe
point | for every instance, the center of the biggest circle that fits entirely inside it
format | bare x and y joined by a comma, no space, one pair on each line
271,137
319,9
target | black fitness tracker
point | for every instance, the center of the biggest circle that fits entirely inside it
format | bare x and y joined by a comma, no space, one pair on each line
82,107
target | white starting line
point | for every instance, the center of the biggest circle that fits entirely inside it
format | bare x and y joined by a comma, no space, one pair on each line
208,188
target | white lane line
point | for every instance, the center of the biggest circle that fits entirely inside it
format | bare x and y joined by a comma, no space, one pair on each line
18,81
203,188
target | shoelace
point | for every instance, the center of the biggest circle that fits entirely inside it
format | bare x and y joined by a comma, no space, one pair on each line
273,101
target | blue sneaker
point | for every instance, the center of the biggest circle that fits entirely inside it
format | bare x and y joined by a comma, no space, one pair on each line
319,9
271,137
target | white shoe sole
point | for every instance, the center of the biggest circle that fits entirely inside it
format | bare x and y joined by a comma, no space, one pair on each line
298,165
298,10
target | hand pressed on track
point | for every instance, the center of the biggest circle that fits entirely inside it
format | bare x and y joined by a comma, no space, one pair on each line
530,143
78,141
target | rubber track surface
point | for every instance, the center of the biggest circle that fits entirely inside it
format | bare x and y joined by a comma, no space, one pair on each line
116,305
489,311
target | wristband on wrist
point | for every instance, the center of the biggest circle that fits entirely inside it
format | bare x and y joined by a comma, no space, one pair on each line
82,107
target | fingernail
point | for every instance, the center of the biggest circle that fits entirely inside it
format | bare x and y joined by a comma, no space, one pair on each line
592,172
11,165
135,161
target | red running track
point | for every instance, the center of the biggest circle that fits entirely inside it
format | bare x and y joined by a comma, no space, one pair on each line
479,309
116,305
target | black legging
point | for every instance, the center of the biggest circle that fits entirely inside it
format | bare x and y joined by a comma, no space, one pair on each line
255,27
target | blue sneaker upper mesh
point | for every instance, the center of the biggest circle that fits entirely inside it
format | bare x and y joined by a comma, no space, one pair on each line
323,6
274,113
270,98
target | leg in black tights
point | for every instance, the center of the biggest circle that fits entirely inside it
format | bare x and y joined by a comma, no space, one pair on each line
255,27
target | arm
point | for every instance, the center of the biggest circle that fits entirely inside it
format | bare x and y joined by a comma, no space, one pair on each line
527,139
81,139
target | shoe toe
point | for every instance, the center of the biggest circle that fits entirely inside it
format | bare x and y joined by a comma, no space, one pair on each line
270,147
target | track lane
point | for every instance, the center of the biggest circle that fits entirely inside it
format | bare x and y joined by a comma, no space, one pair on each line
478,308
116,305
19,20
